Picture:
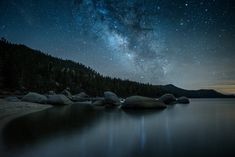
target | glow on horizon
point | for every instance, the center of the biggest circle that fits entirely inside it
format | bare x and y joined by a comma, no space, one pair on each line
226,89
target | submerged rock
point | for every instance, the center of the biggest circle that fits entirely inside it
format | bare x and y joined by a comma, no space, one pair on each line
58,99
183,100
140,102
111,99
168,99
35,98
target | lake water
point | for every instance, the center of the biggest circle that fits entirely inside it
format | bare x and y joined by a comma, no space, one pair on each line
205,127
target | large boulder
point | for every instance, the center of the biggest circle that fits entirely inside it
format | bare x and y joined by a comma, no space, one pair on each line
80,97
183,100
35,98
168,99
140,102
111,99
58,99
67,93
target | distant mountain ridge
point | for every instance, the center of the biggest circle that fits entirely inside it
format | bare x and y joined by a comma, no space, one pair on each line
202,93
22,68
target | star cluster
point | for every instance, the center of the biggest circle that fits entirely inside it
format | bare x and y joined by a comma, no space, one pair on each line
188,43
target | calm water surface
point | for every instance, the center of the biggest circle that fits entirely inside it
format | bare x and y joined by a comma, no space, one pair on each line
206,127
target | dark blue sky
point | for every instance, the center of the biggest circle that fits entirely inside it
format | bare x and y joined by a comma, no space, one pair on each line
189,43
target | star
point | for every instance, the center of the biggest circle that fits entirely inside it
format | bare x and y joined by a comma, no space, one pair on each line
160,40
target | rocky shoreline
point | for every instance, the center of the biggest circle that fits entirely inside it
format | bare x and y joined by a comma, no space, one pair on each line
12,107
109,99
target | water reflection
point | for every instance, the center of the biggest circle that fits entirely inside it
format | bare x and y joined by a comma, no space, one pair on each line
51,122
203,128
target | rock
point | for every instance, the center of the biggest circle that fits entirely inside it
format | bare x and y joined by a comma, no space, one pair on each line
168,99
51,92
67,93
111,99
83,95
35,98
98,103
122,100
140,102
12,99
58,99
80,97
183,100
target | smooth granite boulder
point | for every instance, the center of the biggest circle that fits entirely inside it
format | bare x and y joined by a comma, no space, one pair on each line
140,102
35,98
168,99
80,97
111,99
59,99
183,100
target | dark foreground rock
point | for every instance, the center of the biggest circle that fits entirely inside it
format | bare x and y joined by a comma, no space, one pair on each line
35,98
168,99
140,102
183,100
59,99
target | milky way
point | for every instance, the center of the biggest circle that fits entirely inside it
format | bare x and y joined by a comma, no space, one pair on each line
188,43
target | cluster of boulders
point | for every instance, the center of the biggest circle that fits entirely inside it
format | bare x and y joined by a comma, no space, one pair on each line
64,98
140,102
109,100
53,99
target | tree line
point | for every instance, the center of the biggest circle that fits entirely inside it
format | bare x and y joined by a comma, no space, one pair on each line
25,69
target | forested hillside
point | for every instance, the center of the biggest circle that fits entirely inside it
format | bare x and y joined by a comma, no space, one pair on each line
22,68
25,69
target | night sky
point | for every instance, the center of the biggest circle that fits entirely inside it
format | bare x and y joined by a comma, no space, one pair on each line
188,43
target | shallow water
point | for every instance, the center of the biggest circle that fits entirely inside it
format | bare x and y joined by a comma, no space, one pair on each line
206,127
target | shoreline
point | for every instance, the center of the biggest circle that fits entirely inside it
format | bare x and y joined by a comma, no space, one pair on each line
12,110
